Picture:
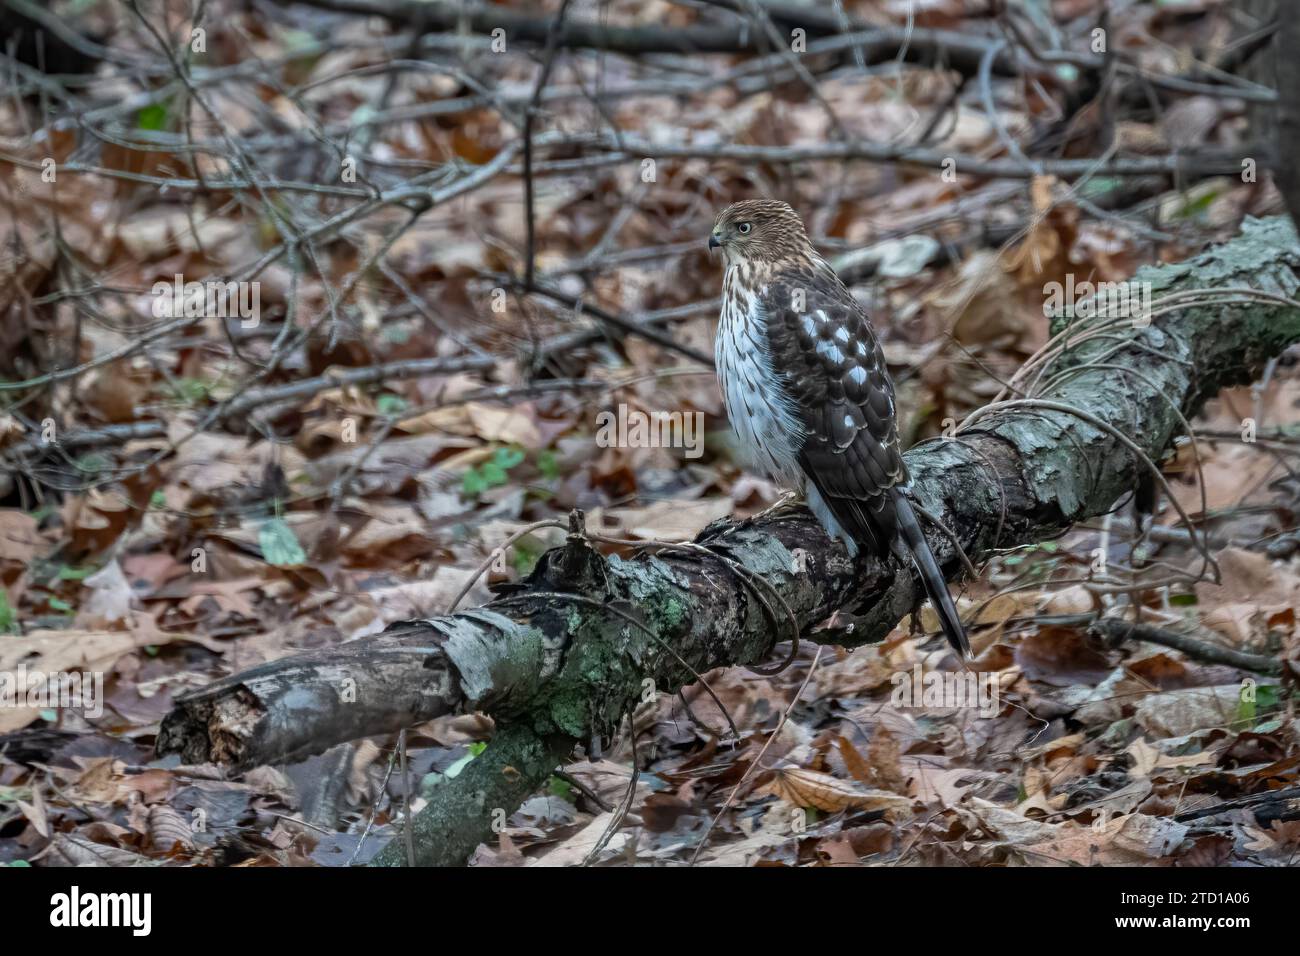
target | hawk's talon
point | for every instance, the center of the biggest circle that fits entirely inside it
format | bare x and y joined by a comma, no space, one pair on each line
787,500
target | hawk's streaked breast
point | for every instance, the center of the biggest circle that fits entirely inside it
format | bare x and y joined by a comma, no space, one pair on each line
761,412
764,412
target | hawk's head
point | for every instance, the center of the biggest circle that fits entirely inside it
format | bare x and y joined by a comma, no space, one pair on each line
760,231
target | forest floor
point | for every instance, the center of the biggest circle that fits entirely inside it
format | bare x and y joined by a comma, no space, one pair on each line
226,491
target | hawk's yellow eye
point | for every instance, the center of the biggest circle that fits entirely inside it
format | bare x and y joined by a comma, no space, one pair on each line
743,228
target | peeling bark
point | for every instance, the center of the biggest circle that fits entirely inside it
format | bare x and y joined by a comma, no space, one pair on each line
284,710
569,651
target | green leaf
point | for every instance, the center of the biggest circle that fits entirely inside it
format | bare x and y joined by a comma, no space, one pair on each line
8,619
280,545
157,500
1245,710
548,465
473,485
152,117
91,464
507,458
459,765
59,604
1102,185
69,573
492,472
524,558
190,390
390,404
561,788
1198,206
436,779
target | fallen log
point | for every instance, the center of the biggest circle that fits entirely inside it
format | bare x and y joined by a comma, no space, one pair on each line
585,637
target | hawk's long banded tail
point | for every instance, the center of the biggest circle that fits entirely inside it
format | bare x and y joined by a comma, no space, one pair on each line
912,543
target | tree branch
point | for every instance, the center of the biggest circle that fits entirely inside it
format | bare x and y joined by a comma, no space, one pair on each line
571,648
961,51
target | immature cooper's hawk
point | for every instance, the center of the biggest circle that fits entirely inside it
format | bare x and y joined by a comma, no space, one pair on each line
807,391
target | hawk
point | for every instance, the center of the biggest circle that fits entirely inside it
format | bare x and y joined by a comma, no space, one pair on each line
804,381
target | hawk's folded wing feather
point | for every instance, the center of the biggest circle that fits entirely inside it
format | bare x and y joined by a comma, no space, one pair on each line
826,352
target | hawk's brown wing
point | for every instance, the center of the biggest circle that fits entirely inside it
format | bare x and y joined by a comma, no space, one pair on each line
826,354
825,350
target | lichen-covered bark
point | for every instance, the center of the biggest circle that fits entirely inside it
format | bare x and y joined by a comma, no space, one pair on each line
465,810
578,643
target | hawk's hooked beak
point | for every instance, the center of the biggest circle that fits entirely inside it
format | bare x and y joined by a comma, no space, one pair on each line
714,241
